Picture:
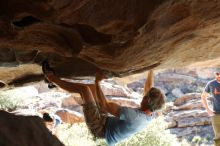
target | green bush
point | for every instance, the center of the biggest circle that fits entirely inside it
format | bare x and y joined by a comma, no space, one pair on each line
8,104
77,135
154,135
14,98
197,139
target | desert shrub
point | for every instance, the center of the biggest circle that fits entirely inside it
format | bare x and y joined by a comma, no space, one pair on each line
197,139
154,135
8,104
77,135
14,98
202,141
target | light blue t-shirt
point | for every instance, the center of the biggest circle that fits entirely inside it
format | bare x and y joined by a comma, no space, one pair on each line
130,122
213,87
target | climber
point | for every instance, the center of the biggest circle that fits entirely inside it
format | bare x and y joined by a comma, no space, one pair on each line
125,121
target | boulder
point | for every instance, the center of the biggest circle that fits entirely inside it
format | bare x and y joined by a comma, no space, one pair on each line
186,117
25,131
171,123
126,102
175,78
71,101
178,115
115,90
186,98
70,117
206,73
177,92
193,104
196,130
135,85
123,37
25,112
193,121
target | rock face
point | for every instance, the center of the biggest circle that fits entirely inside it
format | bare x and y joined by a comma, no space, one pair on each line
25,131
187,118
123,37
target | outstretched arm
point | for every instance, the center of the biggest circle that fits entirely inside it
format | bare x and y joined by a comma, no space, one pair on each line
149,83
110,107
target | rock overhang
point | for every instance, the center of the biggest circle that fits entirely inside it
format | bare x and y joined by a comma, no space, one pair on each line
122,37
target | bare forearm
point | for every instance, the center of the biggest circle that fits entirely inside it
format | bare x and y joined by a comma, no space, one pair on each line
205,103
101,97
149,83
110,107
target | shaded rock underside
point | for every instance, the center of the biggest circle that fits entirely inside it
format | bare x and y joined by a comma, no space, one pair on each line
123,37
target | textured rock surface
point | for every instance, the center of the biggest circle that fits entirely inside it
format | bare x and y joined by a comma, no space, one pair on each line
123,37
25,131
126,102
115,90
187,117
192,131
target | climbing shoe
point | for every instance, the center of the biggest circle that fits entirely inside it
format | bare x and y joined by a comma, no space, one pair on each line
47,69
